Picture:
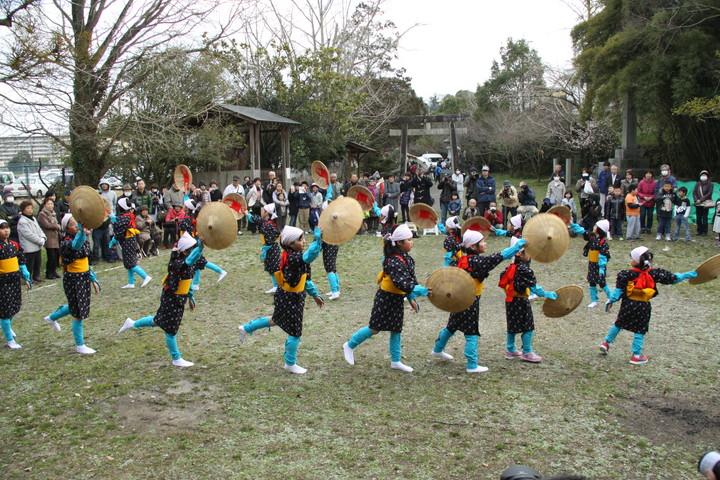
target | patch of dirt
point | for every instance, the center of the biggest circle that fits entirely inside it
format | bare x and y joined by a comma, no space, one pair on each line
672,420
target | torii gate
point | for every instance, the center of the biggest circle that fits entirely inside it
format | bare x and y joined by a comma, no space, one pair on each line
426,121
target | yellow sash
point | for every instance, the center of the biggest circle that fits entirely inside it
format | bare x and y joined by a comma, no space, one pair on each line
594,256
479,287
131,232
81,265
9,265
386,284
300,287
262,239
639,295
183,287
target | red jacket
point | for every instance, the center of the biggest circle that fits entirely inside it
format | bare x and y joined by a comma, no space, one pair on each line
496,219
172,215
646,193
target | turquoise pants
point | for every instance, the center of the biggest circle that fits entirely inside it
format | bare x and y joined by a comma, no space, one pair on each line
527,341
136,270
395,344
78,332
638,339
170,340
6,324
471,346
291,347
61,311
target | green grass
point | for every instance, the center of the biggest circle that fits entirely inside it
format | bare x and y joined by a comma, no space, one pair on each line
126,413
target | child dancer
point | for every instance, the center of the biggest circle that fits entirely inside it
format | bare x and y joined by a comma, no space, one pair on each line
479,267
518,280
636,287
597,250
270,251
387,218
124,233
396,281
77,281
453,242
515,227
293,279
187,224
12,270
329,254
176,291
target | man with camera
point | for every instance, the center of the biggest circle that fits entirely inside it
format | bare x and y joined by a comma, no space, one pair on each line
509,198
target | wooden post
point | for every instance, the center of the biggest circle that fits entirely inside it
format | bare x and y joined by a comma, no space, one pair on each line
257,171
453,146
403,147
251,146
568,172
285,155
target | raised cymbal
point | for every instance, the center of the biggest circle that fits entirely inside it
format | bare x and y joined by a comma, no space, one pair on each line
563,212
320,174
341,220
478,224
547,237
182,177
569,298
87,206
363,196
707,271
453,289
237,204
216,225
423,215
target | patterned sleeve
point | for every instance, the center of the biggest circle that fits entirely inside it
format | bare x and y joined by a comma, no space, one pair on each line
20,254
524,278
401,273
121,226
605,250
449,244
481,265
623,277
663,276
586,249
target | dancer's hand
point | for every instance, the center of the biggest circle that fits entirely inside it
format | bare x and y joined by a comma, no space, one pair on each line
96,286
319,301
415,306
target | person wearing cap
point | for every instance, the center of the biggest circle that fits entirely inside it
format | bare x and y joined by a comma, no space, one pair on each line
78,280
176,293
597,251
108,195
12,272
702,199
149,237
709,465
452,242
479,267
635,287
396,282
485,189
518,281
234,187
270,251
125,230
294,283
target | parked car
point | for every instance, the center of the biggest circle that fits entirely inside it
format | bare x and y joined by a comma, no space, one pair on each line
32,182
6,178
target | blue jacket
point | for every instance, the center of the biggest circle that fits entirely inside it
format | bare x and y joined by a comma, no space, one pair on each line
304,200
485,189
604,181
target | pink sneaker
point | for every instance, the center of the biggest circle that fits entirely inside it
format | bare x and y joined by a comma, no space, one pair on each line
604,347
531,357
512,355
639,359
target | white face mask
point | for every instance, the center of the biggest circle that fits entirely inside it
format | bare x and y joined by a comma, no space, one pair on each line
664,173
9,199
127,194
557,179
703,178
457,172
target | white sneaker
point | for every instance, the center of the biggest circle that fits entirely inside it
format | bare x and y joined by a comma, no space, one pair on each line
243,334
13,345
53,323
129,323
400,366
667,238
84,350
195,287
146,281
223,274
532,297
296,369
272,290
181,362
129,285
348,353
658,237
593,305
333,295
478,369
441,355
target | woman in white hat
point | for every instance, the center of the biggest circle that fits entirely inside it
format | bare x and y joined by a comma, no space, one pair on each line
453,242
597,251
294,282
125,230
176,292
479,267
78,281
396,281
12,272
636,287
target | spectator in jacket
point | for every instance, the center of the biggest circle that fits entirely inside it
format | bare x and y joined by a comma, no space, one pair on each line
471,210
557,172
665,176
646,198
215,193
254,199
494,216
316,201
247,183
509,199
528,204
615,212
569,202
269,188
47,219
350,183
586,187
173,196
142,196
392,193
170,227
470,184
702,198
109,196
235,187
421,186
293,203
32,239
632,213
455,205
281,205
627,181
664,203
447,188
149,237
459,180
406,192
555,191
682,214
336,185
485,189
304,208
10,212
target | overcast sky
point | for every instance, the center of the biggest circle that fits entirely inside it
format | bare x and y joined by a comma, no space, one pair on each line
456,41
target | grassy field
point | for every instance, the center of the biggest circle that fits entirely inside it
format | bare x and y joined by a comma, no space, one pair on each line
126,413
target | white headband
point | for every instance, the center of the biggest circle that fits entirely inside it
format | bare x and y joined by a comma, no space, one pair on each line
453,222
65,220
401,232
270,208
190,204
708,462
638,252
385,213
125,204
516,221
603,225
290,234
185,242
471,237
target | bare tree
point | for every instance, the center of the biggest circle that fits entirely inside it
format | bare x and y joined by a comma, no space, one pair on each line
10,8
102,44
